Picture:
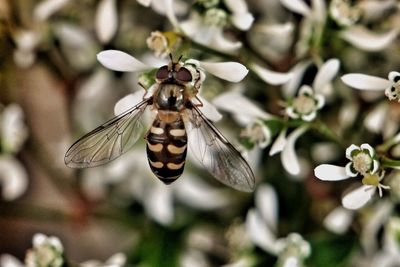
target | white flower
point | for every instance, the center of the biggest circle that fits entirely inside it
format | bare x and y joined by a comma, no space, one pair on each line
46,8
305,105
13,131
207,28
261,225
363,162
13,178
343,13
158,43
46,251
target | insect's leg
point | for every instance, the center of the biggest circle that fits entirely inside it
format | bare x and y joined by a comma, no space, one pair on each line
200,104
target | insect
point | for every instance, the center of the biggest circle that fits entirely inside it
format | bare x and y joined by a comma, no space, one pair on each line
178,118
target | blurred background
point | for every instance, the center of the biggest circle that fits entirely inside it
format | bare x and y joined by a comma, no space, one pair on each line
53,91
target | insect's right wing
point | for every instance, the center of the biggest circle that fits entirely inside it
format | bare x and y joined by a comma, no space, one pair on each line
108,141
216,154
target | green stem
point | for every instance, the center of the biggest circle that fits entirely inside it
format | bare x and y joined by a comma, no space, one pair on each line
389,163
323,129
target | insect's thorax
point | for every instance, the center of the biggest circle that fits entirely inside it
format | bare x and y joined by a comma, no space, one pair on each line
170,97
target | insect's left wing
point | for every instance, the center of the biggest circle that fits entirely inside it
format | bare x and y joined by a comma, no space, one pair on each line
108,141
217,155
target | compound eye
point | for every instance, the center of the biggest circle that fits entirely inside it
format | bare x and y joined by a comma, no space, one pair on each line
162,73
184,75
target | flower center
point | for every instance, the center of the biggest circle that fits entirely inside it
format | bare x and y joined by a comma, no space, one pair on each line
304,104
343,13
215,17
362,163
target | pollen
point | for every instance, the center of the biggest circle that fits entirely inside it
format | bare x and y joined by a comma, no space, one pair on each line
304,104
371,179
362,163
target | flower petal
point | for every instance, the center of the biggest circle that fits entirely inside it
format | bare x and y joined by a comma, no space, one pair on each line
290,88
46,8
7,260
350,150
128,102
238,104
159,204
195,193
338,220
279,143
271,77
242,21
13,178
297,6
375,119
364,39
144,2
220,43
327,172
392,75
267,204
259,233
288,156
106,20
325,74
365,82
120,61
349,170
369,148
209,110
358,197
230,71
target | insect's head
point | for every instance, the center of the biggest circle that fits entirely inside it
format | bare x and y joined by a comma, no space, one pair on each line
174,72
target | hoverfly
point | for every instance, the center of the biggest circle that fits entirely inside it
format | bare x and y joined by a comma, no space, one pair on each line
177,116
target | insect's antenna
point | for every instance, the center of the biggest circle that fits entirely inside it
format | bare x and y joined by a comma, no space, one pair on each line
170,57
179,59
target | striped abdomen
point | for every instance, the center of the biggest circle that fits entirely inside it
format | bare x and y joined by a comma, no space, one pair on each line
166,148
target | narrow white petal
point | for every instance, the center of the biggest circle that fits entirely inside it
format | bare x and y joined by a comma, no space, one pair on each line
119,259
120,61
45,9
290,88
169,12
242,21
220,43
369,148
39,239
375,119
13,178
279,143
230,71
144,2
259,233
367,40
392,75
358,198
106,20
350,150
365,82
159,204
326,74
349,170
238,104
338,220
271,77
297,6
288,156
127,102
7,260
327,172
195,193
236,6
209,110
267,204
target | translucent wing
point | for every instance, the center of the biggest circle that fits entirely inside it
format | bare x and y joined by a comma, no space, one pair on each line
108,141
217,155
